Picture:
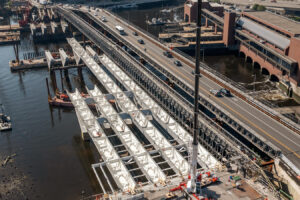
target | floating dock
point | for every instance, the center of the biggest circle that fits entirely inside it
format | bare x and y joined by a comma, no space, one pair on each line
28,64
9,37
51,60
14,27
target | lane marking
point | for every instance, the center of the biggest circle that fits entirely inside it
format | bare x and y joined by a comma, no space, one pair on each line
263,131
279,133
254,125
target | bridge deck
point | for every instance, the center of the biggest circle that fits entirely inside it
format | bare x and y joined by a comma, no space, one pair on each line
104,146
265,126
118,124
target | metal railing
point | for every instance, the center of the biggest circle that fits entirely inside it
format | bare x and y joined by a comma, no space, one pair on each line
228,82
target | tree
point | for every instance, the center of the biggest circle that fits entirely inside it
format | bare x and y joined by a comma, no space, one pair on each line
255,6
261,8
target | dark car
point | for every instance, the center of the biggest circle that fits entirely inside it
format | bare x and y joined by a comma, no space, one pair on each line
225,92
168,54
141,41
134,33
177,62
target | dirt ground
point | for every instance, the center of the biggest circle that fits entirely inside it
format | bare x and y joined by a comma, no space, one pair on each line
14,184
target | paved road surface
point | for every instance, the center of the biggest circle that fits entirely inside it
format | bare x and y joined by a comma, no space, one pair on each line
279,135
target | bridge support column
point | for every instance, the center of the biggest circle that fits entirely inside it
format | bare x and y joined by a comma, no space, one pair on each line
79,72
66,74
16,50
216,28
85,136
83,39
206,22
53,80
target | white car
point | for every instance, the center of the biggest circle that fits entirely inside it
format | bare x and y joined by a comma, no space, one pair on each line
103,18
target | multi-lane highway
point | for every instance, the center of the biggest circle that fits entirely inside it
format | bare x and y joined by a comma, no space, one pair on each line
244,113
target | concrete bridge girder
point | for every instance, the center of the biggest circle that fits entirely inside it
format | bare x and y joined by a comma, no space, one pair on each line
125,68
64,57
154,133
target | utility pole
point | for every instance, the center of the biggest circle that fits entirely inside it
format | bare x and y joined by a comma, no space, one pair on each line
196,109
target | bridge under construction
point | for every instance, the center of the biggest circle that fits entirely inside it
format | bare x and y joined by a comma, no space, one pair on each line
143,123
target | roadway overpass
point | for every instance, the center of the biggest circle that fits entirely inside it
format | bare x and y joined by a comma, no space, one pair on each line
279,132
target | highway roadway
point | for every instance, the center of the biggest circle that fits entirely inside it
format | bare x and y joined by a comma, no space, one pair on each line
279,135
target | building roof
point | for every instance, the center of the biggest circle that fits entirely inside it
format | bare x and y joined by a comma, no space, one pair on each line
265,33
278,21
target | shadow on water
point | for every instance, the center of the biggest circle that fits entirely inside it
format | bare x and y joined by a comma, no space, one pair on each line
88,155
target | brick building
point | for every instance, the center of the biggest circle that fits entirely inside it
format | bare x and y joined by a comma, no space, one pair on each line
190,9
271,42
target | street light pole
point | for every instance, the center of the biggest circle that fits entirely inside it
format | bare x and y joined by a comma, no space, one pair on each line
196,109
147,22
254,82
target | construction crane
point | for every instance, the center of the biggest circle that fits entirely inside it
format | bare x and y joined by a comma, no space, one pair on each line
192,182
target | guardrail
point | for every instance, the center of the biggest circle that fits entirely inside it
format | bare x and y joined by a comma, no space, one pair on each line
238,89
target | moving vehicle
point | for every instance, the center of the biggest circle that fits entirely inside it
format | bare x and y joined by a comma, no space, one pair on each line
121,30
134,33
225,92
178,63
103,18
168,54
141,41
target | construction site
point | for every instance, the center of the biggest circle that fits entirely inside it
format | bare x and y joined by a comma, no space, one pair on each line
156,136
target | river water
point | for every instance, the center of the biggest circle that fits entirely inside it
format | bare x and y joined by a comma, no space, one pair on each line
51,161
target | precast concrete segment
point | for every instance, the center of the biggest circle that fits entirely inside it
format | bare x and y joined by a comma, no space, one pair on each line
53,27
117,168
145,161
92,53
148,102
178,161
64,25
119,126
64,57
49,58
